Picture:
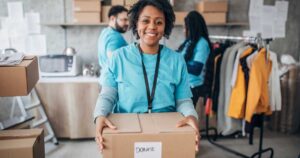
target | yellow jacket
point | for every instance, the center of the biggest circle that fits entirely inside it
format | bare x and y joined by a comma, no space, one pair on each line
238,94
258,95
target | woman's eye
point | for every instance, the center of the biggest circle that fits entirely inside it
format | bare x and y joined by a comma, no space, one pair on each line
145,21
159,23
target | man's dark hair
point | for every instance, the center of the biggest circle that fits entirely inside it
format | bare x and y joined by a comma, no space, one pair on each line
162,5
115,10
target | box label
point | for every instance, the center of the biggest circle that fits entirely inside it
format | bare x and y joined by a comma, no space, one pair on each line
147,150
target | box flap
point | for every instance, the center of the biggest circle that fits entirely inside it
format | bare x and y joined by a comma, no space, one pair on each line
125,123
20,133
147,124
166,122
25,62
29,57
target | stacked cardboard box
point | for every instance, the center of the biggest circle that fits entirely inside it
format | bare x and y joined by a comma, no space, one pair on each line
213,11
104,13
18,80
86,11
118,2
27,143
130,2
105,8
148,135
180,17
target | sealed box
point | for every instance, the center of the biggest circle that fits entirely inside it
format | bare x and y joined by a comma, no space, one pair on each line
212,6
27,143
104,14
86,17
130,2
215,18
86,5
148,135
180,17
18,80
117,2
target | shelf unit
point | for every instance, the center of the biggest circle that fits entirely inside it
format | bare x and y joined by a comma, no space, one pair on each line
64,25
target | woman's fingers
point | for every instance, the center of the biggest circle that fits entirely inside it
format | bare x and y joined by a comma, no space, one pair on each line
101,123
99,138
109,124
181,123
197,142
190,120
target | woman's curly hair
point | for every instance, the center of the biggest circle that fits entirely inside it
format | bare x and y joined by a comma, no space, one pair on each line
162,5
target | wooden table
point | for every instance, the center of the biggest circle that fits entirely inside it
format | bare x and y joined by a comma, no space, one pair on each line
69,104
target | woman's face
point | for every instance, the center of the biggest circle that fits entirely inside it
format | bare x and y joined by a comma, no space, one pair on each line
151,26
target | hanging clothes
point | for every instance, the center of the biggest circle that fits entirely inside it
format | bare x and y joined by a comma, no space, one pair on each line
258,95
216,85
220,112
219,52
274,85
232,124
236,63
229,125
238,95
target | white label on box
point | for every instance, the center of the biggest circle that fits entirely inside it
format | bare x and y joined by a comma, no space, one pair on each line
147,150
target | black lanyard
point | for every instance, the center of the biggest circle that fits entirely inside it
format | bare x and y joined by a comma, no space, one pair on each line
150,97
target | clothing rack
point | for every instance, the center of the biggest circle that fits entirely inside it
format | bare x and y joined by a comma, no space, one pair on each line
259,41
231,37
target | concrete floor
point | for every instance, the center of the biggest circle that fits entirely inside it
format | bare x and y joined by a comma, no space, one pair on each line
285,146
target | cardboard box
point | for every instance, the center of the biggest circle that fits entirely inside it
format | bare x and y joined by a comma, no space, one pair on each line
117,2
214,18
128,7
212,6
180,17
130,2
18,80
148,135
27,143
104,14
86,5
87,17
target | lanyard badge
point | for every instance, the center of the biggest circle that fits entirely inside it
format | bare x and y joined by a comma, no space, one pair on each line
150,97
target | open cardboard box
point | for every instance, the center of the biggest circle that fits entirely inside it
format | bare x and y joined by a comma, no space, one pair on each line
27,143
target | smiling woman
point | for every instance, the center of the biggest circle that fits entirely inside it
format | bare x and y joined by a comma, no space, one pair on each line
150,28
136,68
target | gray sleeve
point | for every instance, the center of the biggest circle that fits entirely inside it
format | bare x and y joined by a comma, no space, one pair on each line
186,107
107,98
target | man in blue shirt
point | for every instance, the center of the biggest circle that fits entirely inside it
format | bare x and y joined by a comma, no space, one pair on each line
111,38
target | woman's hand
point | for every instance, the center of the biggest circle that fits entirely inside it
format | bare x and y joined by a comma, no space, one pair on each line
102,122
192,121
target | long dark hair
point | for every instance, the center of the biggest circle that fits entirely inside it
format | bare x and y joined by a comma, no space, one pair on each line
195,29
